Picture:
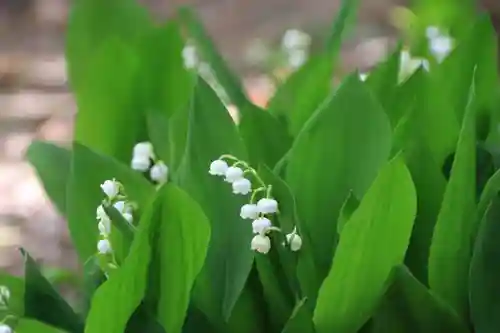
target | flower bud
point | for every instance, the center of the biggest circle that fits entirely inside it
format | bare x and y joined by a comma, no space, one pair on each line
261,225
4,328
261,243
101,213
218,168
104,246
249,211
242,186
128,217
140,163
143,150
159,172
104,228
267,206
233,174
111,188
294,240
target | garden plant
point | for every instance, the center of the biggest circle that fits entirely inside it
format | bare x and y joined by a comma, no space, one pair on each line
365,206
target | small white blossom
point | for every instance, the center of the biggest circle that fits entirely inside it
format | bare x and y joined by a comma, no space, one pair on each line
261,243
121,207
267,206
159,172
104,228
4,295
294,240
143,150
297,58
104,246
295,39
218,168
128,217
111,188
233,174
242,186
261,225
190,56
101,213
140,163
249,211
440,47
4,328
363,76
432,32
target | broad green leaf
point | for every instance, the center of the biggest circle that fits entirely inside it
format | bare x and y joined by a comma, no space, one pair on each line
266,138
123,239
93,277
301,320
212,133
484,273
348,208
52,165
90,169
306,89
408,306
184,235
166,86
490,191
372,242
25,325
225,77
451,242
340,150
110,119
42,302
16,288
93,23
115,300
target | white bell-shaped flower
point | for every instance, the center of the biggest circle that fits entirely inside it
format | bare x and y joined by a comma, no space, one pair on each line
140,163
104,246
267,206
143,150
249,211
261,243
190,56
159,172
297,58
261,225
295,39
218,168
104,228
440,47
294,240
121,206
432,32
4,295
233,174
363,76
242,186
111,188
4,328
101,213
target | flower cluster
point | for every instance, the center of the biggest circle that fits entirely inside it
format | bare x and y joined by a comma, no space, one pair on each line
295,44
440,43
259,210
116,197
4,305
143,157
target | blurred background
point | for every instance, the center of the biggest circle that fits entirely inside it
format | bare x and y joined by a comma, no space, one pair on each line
35,102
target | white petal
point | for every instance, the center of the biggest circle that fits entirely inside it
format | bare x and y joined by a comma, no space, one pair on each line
140,163
104,246
242,186
261,225
143,150
294,240
218,168
110,188
267,206
233,174
249,211
261,244
4,328
159,172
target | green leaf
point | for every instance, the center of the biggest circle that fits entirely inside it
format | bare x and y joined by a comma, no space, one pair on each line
89,170
52,165
451,242
110,118
372,242
123,239
212,133
344,21
42,302
484,272
340,150
93,277
301,320
26,325
266,138
115,301
167,87
93,23
185,229
228,80
408,306
348,208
